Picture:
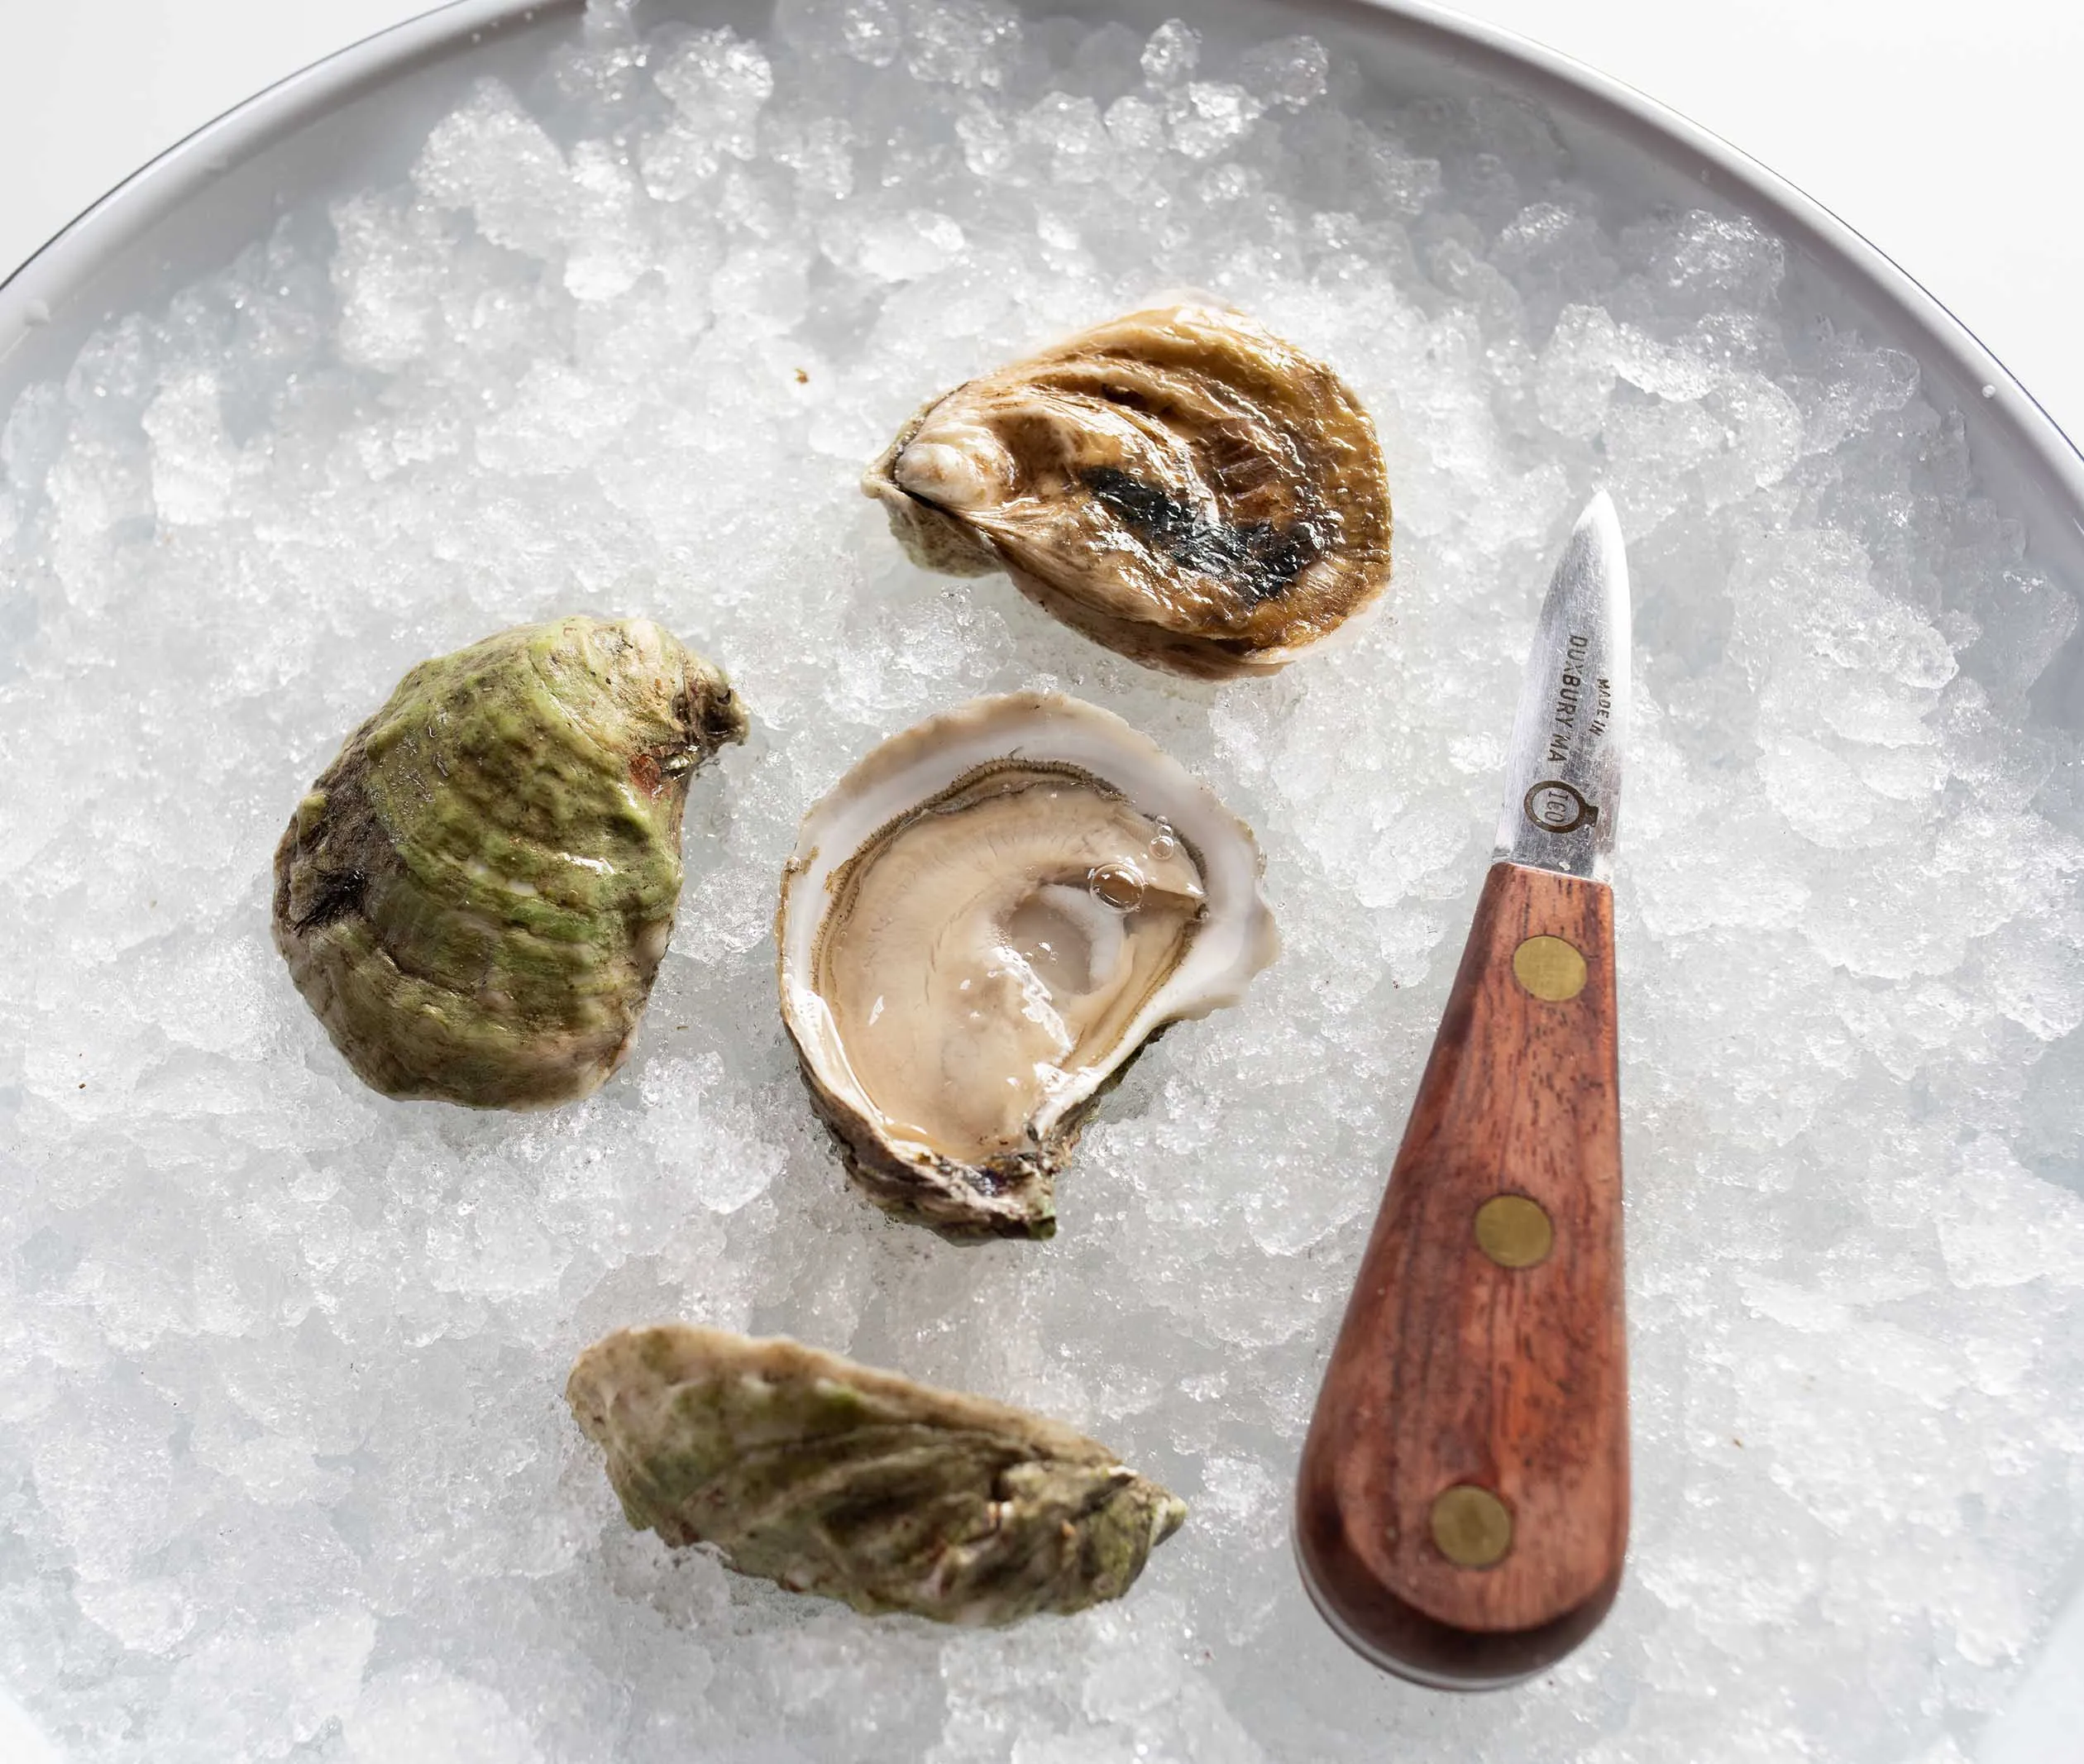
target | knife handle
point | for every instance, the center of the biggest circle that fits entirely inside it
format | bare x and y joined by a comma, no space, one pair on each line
1462,1505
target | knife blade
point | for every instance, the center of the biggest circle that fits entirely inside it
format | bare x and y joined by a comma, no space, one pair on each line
1563,770
1462,1502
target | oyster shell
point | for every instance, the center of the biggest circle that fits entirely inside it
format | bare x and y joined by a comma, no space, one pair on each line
983,921
475,894
1179,485
835,1478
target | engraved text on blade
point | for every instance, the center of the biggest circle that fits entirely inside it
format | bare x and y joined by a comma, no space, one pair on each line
1582,706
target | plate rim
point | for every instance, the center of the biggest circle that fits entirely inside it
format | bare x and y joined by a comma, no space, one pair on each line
67,262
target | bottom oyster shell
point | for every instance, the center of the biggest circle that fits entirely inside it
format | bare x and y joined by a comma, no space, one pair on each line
982,924
835,1478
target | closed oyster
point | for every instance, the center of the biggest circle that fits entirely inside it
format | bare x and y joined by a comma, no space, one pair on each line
835,1478
475,895
1179,485
983,922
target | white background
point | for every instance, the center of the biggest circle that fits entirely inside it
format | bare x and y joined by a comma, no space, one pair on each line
1945,131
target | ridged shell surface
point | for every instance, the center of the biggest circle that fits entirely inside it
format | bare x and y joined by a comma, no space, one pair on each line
835,1478
1178,483
475,895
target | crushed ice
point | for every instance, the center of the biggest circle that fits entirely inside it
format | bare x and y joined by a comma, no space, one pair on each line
283,1462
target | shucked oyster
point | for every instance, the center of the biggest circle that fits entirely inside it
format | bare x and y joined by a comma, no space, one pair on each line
1179,485
834,1478
475,895
983,922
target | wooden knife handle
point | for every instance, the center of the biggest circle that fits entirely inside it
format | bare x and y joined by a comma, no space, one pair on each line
1462,1508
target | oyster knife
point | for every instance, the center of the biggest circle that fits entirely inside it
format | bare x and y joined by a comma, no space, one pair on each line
1462,1503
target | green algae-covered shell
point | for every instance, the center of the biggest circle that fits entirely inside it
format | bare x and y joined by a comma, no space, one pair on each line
475,895
835,1478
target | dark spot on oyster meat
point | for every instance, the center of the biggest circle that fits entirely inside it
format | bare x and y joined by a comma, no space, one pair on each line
1256,558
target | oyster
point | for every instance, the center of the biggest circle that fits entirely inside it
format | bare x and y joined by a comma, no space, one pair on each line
983,922
475,894
835,1478
1179,485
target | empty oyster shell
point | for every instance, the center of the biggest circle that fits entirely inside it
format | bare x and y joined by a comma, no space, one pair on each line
983,922
475,895
1179,485
835,1478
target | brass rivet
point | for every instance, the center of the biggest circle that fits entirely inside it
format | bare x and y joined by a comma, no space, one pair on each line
1470,1525
1549,968
1513,1231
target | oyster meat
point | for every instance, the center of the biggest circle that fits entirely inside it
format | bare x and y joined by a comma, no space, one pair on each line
835,1478
1179,485
983,921
475,894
